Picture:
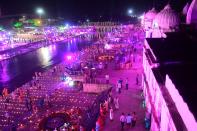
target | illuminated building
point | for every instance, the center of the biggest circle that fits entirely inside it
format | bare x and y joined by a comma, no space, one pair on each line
169,79
157,24
169,82
192,13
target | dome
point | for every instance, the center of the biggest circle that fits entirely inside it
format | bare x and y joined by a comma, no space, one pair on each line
150,14
185,9
192,13
167,18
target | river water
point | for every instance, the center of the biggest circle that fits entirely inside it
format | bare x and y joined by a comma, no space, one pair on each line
18,70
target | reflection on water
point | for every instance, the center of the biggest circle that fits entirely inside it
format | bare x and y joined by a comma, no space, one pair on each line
18,70
46,54
5,76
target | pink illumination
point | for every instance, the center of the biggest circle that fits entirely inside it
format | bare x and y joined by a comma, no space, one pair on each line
148,47
185,9
167,18
69,57
150,15
182,107
61,38
192,13
107,46
155,100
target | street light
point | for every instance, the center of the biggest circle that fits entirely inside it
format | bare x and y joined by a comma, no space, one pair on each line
141,17
66,26
130,12
40,12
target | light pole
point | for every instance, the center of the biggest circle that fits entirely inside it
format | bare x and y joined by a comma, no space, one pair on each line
87,20
40,12
130,12
9,38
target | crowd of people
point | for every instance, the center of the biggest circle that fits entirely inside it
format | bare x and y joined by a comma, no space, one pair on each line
41,93
129,120
123,53
112,104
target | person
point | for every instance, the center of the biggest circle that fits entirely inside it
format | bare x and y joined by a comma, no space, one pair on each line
102,111
28,93
129,120
122,121
5,92
14,127
41,102
109,100
119,87
72,128
134,119
36,75
97,128
112,101
121,82
111,114
39,74
132,58
147,119
127,84
21,95
117,90
7,116
13,95
110,92
116,102
100,66
147,123
107,79
135,49
27,103
91,76
48,100
106,104
137,79
106,65
81,128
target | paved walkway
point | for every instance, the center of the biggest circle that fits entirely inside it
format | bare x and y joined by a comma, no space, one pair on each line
129,100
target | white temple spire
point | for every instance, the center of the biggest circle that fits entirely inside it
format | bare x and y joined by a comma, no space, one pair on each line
185,9
192,13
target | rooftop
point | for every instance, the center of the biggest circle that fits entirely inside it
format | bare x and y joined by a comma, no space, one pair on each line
176,48
177,57
184,78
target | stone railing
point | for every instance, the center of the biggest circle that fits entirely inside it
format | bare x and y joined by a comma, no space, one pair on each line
95,88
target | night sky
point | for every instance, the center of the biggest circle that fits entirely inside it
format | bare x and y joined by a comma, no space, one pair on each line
79,9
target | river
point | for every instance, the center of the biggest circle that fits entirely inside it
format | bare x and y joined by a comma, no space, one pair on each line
18,70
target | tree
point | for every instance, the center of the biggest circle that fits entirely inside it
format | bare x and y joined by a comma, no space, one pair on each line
17,24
